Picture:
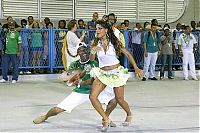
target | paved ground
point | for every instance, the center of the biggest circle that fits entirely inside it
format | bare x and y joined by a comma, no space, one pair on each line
158,106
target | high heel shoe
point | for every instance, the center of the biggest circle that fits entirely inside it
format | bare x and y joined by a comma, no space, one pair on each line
112,124
106,125
127,122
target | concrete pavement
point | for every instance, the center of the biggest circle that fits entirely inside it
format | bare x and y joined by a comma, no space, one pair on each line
158,106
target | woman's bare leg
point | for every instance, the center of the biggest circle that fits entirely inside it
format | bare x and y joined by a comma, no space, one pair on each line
119,96
110,107
97,88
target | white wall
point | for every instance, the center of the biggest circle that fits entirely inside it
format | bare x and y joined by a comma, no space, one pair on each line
192,13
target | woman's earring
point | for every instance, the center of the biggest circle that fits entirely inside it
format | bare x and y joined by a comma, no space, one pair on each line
107,36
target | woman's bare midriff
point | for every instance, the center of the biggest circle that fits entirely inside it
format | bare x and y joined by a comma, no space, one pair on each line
108,68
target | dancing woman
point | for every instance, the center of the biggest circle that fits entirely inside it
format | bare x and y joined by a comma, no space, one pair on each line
106,47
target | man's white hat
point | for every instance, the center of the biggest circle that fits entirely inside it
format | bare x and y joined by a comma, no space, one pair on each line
81,44
166,28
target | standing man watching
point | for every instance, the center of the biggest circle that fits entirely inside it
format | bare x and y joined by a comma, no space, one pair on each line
151,51
187,45
11,53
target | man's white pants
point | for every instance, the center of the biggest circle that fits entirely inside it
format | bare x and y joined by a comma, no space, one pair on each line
75,99
149,64
188,58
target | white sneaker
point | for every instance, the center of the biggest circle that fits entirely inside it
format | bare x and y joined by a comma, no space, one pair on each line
3,81
21,72
186,78
196,79
14,81
28,72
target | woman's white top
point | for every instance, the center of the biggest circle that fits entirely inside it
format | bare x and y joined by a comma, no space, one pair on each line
72,41
107,58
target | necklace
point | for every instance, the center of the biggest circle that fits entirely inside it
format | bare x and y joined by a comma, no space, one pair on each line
84,61
104,45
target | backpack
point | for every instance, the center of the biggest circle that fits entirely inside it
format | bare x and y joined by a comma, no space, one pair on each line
148,35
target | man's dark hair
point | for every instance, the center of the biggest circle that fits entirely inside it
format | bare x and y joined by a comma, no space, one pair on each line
24,20
154,22
186,26
49,23
80,20
30,17
112,14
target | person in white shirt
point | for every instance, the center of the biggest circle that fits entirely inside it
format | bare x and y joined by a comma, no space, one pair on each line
136,46
187,45
72,41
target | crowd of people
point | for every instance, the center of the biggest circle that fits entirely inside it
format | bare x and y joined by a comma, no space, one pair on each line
34,46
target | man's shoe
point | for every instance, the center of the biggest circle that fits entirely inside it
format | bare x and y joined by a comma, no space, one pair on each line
3,81
153,78
21,72
196,79
27,72
144,79
39,119
186,78
14,81
170,77
161,78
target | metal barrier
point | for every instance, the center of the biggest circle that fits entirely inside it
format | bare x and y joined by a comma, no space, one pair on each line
42,48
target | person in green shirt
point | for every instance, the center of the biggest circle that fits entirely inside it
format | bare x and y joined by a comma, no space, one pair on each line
80,93
11,53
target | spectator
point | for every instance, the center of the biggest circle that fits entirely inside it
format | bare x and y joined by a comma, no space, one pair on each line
187,45
166,25
61,42
46,21
112,19
72,42
176,34
81,24
193,25
198,26
24,57
92,23
183,27
10,19
123,26
167,50
126,21
30,22
151,51
146,24
36,47
46,46
11,53
23,23
136,46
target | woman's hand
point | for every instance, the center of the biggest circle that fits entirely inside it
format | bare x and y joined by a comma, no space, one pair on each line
138,73
95,49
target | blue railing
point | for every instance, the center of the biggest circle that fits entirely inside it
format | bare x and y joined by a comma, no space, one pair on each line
41,48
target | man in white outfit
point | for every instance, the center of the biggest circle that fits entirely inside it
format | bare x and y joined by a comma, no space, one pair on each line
187,45
81,92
